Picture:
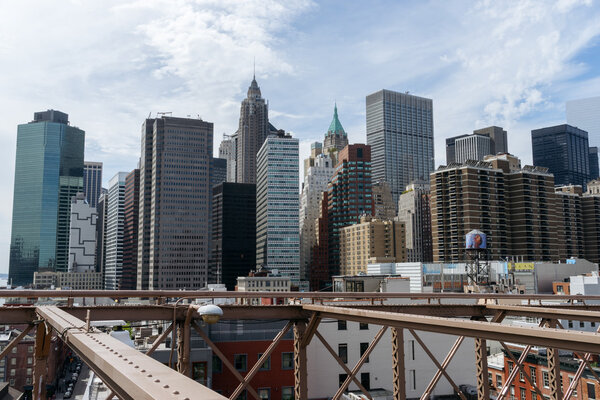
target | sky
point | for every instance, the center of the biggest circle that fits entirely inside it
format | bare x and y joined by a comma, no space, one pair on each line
110,64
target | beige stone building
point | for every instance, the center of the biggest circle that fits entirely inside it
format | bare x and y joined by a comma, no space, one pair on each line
372,240
382,200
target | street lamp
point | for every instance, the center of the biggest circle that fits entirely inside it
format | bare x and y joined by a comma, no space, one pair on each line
210,313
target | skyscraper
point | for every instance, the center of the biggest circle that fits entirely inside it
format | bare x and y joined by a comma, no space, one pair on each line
316,179
585,114
175,198
82,239
131,212
277,205
48,173
92,181
113,264
335,138
564,150
218,171
101,231
252,132
594,170
349,196
233,237
491,140
400,133
227,150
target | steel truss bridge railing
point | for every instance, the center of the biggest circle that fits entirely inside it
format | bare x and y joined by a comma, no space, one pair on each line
131,374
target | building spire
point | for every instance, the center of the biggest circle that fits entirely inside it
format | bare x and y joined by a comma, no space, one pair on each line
254,73
335,128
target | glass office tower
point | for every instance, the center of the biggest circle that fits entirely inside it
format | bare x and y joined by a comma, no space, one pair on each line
48,173
400,133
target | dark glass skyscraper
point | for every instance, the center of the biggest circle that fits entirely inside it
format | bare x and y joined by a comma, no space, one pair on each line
48,173
564,150
92,181
400,133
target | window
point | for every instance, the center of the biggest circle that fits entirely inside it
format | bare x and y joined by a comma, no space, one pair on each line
413,378
523,394
287,360
570,324
343,352
287,393
341,379
591,391
510,367
267,364
199,372
365,380
264,393
29,360
532,372
240,361
581,324
363,326
13,361
28,372
30,349
534,395
28,381
512,393
490,380
546,379
13,372
411,344
11,382
521,376
342,325
14,350
363,349
217,364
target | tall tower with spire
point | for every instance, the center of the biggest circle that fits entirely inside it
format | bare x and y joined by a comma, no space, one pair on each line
252,132
335,138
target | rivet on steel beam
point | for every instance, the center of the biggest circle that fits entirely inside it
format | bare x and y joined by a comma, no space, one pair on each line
137,366
166,386
149,376
157,380
143,370
131,362
175,391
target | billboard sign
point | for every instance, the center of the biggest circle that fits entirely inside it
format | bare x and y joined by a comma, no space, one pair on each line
476,240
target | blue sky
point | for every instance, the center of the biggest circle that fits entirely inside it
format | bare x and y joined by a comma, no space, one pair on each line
111,63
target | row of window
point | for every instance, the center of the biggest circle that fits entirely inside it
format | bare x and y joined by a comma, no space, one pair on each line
240,362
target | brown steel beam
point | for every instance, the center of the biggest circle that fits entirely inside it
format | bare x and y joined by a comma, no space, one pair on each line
223,358
441,368
522,369
152,294
359,364
573,385
398,364
130,373
260,361
570,313
548,337
43,338
313,324
342,364
483,386
300,373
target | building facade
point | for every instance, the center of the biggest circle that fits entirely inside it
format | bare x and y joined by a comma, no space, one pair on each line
227,150
82,239
564,150
277,206
101,208
175,199
233,238
585,114
48,173
349,196
371,240
415,213
316,178
252,132
486,141
131,213
92,181
400,133
383,203
594,169
115,219
218,171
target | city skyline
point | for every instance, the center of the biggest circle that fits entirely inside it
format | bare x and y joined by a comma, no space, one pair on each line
121,66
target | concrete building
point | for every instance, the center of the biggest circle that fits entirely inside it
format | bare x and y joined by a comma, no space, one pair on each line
175,198
570,213
371,240
115,219
277,206
268,283
491,140
316,179
383,203
85,280
316,148
564,150
131,213
251,134
335,138
48,173
466,197
82,240
227,150
218,171
233,237
415,213
400,133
